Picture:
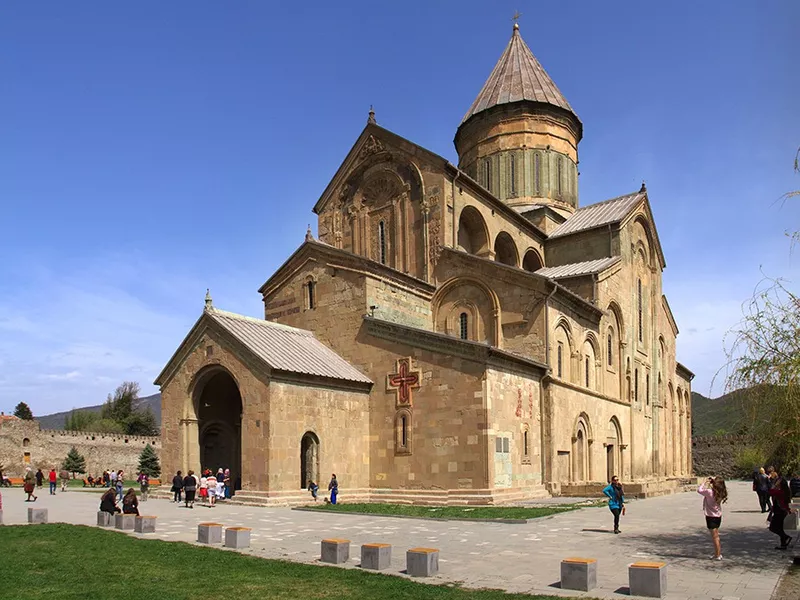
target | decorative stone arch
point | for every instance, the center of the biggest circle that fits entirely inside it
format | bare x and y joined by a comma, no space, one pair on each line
309,292
403,431
589,361
650,251
614,445
448,299
505,250
533,260
473,234
309,459
581,456
26,442
562,354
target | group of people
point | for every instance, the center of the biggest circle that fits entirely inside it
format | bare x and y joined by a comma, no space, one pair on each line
209,487
774,494
333,488
130,503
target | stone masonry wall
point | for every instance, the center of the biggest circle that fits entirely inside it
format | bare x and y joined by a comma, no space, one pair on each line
23,444
716,455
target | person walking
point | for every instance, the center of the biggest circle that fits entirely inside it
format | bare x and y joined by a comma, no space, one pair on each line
761,485
715,494
144,485
52,478
616,500
39,478
333,488
177,487
64,475
313,488
781,496
29,485
189,488
112,479
119,482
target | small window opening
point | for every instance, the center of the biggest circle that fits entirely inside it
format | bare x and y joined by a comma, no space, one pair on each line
560,173
404,431
636,385
525,450
558,360
463,326
639,308
610,351
382,242
536,173
647,389
587,371
512,173
312,301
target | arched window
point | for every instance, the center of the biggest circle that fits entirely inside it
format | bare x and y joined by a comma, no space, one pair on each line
403,432
560,352
537,178
463,324
487,173
382,242
560,174
636,385
26,442
525,447
512,174
586,368
639,307
610,349
311,299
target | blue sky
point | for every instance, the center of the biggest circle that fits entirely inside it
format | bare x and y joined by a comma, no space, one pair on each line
150,150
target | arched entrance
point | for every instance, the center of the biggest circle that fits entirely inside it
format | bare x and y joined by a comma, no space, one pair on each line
309,459
613,450
219,416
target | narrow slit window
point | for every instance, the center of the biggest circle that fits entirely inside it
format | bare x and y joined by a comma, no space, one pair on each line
639,308
647,389
636,385
312,300
558,359
610,351
560,174
587,371
382,242
512,174
525,450
487,167
463,324
404,431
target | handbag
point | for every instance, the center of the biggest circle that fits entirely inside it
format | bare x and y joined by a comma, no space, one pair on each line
28,487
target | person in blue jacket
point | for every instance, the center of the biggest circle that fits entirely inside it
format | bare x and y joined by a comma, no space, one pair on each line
616,500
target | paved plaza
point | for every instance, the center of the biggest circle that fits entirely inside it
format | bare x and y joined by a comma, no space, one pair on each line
517,558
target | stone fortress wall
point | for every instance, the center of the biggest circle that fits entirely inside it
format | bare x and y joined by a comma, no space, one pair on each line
716,455
25,444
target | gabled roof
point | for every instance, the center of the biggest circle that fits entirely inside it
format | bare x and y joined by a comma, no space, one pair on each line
597,215
281,348
518,76
577,269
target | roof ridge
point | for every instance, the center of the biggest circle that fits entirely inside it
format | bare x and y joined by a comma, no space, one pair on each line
615,199
233,315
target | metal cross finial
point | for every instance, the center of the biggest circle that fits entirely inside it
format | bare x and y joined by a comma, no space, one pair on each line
371,118
209,302
515,18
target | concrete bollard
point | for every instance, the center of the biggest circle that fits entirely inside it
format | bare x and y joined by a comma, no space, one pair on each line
422,562
376,556
335,551
103,519
145,524
209,533
237,537
648,579
124,522
37,515
579,574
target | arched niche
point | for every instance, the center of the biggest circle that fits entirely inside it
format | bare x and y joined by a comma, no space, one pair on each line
471,297
473,236
532,261
613,447
505,250
309,459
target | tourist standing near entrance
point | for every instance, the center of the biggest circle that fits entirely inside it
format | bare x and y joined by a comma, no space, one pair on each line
177,487
781,496
189,487
29,484
715,494
333,488
616,500
52,478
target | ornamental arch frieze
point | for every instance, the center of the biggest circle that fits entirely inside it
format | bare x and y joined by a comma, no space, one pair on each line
470,296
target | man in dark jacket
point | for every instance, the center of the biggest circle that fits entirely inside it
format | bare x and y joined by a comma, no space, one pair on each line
177,487
794,484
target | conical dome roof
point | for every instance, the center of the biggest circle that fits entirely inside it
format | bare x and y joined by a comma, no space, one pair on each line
518,76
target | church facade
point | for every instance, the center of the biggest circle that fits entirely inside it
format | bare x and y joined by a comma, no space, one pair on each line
456,334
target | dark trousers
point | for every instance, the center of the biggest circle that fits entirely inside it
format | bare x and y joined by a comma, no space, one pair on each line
176,494
776,524
764,501
616,512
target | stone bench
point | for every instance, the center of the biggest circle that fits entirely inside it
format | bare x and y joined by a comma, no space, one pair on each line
376,556
237,537
648,579
422,562
335,551
124,522
209,533
145,524
579,574
37,515
104,519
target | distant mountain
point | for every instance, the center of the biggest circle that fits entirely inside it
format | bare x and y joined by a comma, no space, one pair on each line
717,415
57,420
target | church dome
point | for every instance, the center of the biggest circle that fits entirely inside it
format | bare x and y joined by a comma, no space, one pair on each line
520,137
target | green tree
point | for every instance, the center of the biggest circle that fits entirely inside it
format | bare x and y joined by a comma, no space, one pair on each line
74,463
148,462
141,422
23,411
81,420
120,406
108,426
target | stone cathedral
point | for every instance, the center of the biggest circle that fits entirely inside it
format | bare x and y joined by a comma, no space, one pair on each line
456,334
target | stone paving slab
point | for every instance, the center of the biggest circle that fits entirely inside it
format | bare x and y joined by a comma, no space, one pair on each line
517,558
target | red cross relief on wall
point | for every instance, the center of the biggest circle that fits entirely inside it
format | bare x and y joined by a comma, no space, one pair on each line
403,381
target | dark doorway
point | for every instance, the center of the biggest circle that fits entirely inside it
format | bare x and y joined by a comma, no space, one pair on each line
309,459
610,466
219,414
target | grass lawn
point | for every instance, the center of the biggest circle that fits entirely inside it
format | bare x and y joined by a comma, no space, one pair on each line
68,561
448,512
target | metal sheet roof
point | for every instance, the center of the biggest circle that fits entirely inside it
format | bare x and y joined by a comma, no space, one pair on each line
517,76
579,268
286,348
595,215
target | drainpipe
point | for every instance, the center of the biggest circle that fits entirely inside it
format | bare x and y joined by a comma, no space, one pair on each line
545,408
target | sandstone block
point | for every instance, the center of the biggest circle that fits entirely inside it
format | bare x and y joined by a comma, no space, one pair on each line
422,562
37,515
145,524
237,537
209,533
648,579
103,519
124,522
579,574
335,551
376,556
